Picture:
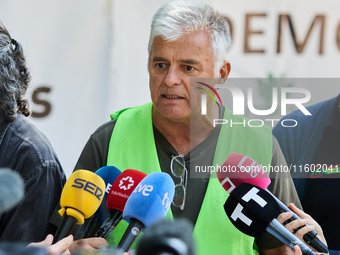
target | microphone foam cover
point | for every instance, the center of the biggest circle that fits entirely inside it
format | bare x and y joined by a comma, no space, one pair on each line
255,204
83,191
166,235
151,199
238,168
122,188
109,174
11,189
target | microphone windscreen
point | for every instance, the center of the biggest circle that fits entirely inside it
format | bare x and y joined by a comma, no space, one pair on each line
11,189
238,168
83,192
165,235
251,209
109,174
151,199
122,188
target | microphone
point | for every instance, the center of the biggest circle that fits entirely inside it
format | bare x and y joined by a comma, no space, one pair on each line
11,189
109,174
119,193
167,236
253,211
149,202
81,196
242,169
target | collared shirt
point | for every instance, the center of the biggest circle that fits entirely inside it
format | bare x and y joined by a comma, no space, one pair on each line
26,150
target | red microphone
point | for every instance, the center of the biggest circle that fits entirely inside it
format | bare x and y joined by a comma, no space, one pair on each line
119,193
238,168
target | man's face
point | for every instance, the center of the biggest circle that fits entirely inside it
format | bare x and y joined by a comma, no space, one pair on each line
171,65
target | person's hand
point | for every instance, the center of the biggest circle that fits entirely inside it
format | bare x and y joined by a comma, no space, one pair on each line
307,223
297,250
88,244
60,247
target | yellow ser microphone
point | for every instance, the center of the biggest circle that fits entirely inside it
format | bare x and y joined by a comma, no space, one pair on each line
81,197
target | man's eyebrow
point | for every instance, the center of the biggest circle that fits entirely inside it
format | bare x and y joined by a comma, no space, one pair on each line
186,61
159,59
190,61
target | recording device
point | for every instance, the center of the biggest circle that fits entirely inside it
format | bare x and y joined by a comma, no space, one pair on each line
11,189
149,202
242,169
253,211
81,196
167,237
109,174
119,193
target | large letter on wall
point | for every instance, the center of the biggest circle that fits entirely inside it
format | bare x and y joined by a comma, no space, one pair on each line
298,45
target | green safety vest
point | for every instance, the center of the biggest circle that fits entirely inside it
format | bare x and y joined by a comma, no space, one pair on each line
132,146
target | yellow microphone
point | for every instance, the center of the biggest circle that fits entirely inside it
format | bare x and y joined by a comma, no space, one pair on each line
81,197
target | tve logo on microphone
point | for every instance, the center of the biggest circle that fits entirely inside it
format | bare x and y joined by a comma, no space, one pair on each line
144,189
166,201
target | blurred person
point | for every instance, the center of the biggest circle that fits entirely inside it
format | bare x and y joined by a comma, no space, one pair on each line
26,150
313,148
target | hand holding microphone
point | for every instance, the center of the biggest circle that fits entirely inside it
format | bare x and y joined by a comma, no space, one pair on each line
246,170
253,211
302,226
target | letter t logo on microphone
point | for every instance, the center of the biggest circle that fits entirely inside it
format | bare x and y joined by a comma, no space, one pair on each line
252,194
237,214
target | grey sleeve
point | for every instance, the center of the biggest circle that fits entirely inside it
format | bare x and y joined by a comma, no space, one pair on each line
283,188
282,185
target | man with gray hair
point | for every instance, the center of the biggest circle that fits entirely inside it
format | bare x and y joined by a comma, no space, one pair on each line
188,41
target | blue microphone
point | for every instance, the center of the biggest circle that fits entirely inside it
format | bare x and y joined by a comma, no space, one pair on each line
109,174
148,203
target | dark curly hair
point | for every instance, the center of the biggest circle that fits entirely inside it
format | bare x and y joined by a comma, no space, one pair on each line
14,77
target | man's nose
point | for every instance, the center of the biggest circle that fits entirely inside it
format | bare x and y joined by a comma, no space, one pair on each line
173,77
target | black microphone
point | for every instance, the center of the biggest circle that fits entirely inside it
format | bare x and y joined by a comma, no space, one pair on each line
253,211
256,175
167,236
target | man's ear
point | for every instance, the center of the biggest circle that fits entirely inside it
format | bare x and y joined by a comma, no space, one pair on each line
225,71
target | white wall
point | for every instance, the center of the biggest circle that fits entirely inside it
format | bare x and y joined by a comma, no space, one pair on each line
92,55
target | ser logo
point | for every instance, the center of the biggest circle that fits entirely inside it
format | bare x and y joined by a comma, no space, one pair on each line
88,187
